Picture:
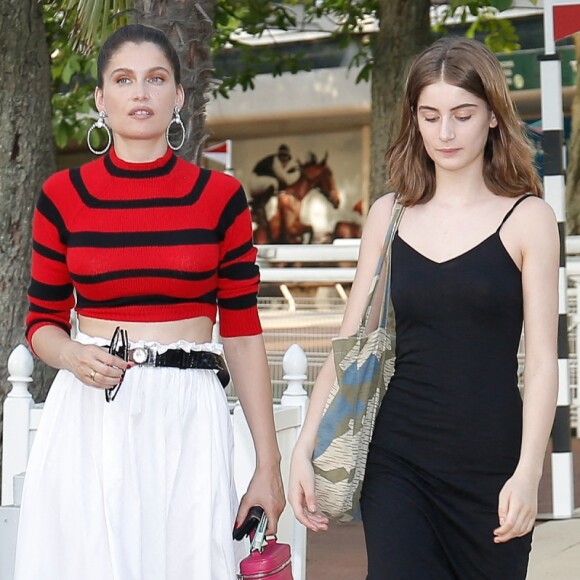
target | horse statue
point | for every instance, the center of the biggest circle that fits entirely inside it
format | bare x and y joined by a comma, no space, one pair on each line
284,225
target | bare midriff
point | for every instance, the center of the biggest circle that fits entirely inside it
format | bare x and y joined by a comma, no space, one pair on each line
191,330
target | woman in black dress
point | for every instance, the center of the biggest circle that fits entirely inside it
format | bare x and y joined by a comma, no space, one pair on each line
452,477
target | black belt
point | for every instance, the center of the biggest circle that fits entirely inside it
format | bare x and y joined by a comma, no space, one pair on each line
177,358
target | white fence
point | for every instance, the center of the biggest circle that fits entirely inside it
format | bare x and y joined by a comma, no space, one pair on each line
22,415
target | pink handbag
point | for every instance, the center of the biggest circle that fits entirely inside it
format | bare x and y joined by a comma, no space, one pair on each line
268,560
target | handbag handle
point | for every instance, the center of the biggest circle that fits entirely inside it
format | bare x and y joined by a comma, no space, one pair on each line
259,539
384,258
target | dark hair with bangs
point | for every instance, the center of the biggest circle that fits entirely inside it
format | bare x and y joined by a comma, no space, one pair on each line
137,34
508,168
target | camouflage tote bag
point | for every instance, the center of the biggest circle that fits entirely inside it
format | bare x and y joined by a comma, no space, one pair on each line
364,364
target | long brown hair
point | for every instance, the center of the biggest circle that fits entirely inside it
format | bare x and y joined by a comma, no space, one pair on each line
508,167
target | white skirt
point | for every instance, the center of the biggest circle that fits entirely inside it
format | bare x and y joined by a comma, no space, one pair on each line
140,488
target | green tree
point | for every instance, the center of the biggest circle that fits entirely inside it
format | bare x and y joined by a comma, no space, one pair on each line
403,29
73,77
200,28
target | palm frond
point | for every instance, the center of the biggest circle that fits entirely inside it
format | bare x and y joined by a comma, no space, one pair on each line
94,19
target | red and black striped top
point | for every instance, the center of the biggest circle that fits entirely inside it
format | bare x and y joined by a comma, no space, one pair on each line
143,242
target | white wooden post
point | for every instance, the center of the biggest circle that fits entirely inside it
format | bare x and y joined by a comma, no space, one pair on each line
16,420
288,420
295,365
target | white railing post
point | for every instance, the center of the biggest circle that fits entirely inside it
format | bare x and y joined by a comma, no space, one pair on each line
16,420
295,365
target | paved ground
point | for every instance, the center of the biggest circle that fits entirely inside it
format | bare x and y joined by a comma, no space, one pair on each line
339,554
556,551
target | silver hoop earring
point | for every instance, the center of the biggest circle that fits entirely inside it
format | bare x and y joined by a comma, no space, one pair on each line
177,120
99,124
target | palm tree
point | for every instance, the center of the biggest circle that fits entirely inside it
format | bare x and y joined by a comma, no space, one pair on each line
27,158
404,30
187,23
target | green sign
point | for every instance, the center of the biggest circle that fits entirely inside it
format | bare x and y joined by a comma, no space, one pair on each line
522,68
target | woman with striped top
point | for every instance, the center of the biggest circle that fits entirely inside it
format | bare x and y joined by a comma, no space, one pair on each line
130,476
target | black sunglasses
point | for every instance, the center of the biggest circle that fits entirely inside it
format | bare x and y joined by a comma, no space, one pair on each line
119,346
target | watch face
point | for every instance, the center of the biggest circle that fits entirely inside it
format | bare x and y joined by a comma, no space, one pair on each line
140,356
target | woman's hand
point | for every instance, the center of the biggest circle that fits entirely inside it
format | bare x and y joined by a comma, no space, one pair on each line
266,490
518,507
93,365
301,494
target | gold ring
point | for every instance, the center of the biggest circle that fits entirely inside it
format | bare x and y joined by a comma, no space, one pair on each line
92,375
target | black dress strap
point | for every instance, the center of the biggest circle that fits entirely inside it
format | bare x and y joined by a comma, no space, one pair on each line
507,215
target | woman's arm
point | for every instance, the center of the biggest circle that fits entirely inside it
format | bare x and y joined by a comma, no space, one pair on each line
246,357
54,347
540,258
301,493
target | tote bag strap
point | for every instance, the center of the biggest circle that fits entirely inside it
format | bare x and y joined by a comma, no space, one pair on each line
384,260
